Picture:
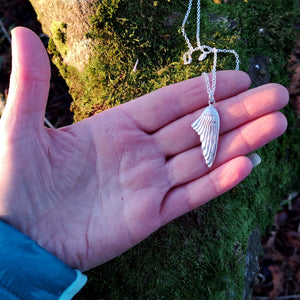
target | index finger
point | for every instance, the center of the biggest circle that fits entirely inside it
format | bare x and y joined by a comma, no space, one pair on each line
161,107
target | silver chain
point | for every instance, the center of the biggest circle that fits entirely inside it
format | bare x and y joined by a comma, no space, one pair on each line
205,50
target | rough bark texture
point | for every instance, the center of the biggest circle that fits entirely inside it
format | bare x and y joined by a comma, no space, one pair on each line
75,15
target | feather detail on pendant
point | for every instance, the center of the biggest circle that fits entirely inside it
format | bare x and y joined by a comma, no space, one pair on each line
208,127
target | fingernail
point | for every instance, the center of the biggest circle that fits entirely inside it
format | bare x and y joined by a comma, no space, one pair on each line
255,159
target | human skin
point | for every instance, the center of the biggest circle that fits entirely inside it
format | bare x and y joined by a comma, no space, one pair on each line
92,190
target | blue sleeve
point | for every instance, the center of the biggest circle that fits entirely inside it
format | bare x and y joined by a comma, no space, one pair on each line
28,271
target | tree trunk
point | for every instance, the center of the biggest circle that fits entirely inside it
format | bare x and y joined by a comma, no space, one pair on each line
112,51
71,17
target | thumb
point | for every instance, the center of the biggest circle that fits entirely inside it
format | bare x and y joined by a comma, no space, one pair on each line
29,83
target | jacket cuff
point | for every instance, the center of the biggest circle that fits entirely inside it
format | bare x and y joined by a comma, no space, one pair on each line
27,271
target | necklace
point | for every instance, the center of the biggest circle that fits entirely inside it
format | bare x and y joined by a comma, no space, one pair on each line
208,124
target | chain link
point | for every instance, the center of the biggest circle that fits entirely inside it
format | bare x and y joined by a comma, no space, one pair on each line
183,25
187,56
198,24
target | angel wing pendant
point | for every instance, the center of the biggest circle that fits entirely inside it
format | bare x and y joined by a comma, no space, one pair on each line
208,126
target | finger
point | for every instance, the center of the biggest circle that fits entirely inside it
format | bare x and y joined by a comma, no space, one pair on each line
159,108
179,136
190,164
193,194
29,82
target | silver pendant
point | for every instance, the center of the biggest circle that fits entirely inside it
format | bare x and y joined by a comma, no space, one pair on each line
208,127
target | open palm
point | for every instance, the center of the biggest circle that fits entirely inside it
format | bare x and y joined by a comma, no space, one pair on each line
90,191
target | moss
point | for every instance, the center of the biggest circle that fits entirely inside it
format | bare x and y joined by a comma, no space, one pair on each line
202,254
59,37
150,32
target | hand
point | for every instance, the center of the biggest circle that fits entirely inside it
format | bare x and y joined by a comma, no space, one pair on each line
90,191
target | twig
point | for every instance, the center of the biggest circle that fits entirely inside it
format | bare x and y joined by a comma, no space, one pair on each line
5,31
279,298
135,65
288,200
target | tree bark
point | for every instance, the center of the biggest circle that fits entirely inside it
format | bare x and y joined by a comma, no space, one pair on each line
75,15
207,248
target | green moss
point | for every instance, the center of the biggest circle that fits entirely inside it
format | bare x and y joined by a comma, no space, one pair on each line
59,37
202,254
150,32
